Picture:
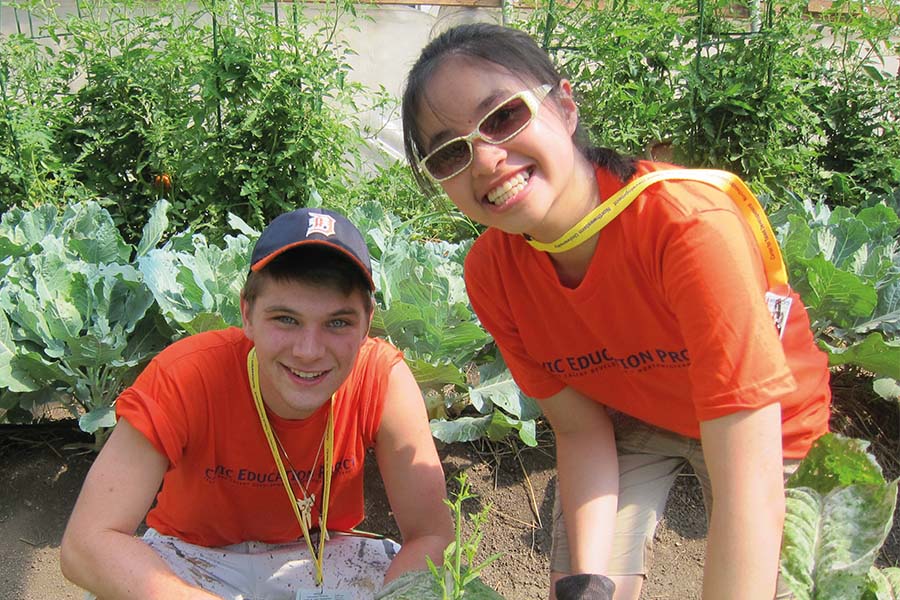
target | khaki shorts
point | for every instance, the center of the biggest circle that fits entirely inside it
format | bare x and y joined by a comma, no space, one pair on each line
649,461
354,565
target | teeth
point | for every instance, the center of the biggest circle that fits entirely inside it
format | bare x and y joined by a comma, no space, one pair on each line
509,188
307,374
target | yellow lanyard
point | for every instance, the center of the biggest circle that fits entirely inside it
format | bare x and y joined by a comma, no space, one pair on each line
304,520
729,183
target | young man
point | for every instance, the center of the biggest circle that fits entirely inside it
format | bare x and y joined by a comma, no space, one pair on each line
258,438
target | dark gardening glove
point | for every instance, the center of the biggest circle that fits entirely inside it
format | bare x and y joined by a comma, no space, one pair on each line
585,587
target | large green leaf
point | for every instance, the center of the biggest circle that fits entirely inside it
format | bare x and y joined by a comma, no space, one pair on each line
884,584
831,541
836,461
21,230
155,227
873,354
840,295
90,351
497,387
887,388
91,233
102,417
502,425
188,280
429,374
462,429
7,352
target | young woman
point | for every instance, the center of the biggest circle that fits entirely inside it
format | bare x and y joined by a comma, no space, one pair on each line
647,338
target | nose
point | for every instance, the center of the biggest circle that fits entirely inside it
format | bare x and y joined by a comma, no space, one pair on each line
308,344
486,157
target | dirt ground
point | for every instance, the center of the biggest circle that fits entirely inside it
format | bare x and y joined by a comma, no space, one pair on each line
42,473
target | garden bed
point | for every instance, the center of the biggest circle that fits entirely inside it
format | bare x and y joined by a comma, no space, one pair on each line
43,473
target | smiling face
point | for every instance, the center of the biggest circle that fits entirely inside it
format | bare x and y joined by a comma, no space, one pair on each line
513,186
307,336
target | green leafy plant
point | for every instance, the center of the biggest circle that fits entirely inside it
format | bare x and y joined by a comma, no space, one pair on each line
76,321
424,310
624,60
801,104
220,108
839,512
845,264
457,576
858,101
197,285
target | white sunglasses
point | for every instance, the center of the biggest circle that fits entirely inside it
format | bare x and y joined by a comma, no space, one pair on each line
504,122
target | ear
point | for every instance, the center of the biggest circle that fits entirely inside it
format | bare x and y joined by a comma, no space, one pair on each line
245,319
567,103
371,315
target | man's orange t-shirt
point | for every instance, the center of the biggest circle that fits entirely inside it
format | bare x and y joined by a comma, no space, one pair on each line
669,324
193,403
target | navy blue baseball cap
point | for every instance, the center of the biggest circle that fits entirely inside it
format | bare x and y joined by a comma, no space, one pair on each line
312,226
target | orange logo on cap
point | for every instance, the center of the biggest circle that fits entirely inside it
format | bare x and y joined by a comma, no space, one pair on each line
319,223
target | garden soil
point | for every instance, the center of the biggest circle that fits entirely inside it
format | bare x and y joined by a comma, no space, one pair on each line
43,468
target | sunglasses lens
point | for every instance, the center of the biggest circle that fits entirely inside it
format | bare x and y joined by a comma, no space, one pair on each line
449,160
506,120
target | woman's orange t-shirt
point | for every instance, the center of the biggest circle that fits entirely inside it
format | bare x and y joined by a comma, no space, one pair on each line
669,324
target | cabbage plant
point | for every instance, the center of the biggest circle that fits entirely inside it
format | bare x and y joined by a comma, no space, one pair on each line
839,512
75,317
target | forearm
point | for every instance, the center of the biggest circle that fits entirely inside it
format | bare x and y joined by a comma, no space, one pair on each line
589,485
413,553
742,553
743,455
113,565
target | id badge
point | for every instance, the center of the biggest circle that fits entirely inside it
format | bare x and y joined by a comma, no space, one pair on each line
779,307
323,594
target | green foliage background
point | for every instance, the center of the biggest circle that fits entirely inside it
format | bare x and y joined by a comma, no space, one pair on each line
181,130
143,146
803,105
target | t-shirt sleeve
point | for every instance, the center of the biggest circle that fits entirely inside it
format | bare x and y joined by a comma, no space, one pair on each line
379,361
715,283
155,406
488,300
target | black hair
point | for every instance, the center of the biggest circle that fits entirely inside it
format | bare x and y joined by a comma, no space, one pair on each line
508,48
312,264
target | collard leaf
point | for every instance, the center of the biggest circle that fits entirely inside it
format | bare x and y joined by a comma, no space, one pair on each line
502,425
498,388
836,461
238,224
25,229
88,350
428,374
205,322
462,429
154,228
103,417
884,584
831,541
90,231
873,354
887,388
7,352
839,295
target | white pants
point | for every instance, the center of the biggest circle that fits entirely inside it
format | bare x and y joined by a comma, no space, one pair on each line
354,566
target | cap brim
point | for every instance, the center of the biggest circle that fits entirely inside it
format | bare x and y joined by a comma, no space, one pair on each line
261,263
